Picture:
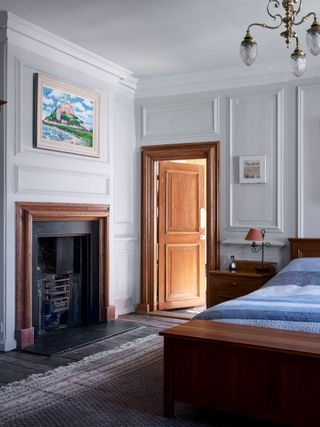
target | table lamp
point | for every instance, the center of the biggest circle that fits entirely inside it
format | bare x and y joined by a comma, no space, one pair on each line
2,102
257,235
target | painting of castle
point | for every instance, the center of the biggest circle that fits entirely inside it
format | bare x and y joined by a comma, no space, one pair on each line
67,119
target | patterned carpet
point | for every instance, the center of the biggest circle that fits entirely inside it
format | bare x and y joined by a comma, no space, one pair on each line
121,387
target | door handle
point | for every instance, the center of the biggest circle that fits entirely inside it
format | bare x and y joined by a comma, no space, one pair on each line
202,237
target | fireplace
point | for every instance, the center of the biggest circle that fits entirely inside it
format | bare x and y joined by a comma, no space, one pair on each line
61,268
65,274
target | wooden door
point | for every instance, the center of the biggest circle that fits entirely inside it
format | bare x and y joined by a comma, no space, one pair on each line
181,240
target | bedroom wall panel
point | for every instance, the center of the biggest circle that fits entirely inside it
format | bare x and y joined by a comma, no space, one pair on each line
250,121
33,174
125,276
35,180
308,97
255,128
124,171
176,119
124,257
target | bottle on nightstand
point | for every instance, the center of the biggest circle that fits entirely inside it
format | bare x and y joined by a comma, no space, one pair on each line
232,264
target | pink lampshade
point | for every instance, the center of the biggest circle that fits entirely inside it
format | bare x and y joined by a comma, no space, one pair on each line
254,234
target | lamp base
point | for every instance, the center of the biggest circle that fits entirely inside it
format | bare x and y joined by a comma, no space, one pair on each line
262,270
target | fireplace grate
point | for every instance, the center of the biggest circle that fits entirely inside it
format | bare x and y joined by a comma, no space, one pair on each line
58,298
56,295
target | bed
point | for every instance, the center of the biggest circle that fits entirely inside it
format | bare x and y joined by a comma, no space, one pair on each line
290,300
258,355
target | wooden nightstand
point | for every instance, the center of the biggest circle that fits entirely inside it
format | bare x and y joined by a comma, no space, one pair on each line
225,285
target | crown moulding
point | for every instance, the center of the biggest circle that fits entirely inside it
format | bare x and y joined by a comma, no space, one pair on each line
19,31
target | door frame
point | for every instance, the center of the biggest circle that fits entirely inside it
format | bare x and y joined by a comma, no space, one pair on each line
149,156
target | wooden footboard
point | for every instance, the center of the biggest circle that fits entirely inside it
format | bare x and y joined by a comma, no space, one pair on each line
264,373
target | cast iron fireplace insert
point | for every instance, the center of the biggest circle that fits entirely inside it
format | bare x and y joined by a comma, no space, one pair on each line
65,275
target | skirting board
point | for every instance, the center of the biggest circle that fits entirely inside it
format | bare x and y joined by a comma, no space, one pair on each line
124,305
8,345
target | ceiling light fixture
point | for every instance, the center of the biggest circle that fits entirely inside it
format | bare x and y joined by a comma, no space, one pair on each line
248,47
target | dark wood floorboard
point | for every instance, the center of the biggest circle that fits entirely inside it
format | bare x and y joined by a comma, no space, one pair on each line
16,365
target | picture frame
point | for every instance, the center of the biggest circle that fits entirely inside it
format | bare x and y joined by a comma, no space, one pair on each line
252,169
66,117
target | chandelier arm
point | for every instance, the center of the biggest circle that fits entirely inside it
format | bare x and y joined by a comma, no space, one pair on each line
304,18
269,27
276,4
299,8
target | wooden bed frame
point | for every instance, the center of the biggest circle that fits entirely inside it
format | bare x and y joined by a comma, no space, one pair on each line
268,374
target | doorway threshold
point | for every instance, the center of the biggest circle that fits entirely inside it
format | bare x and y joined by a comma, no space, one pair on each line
186,313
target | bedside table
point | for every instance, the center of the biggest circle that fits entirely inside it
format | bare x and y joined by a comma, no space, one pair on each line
225,285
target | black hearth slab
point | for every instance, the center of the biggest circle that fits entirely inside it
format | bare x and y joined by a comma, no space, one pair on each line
67,339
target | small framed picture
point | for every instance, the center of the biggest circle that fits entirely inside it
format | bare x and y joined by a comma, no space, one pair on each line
252,169
66,117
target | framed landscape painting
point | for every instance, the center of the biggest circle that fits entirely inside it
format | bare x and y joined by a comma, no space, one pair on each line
66,117
252,169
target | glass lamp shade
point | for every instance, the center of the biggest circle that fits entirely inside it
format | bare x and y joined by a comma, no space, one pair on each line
298,62
248,49
313,38
255,234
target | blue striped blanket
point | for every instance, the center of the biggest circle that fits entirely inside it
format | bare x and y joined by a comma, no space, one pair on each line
290,300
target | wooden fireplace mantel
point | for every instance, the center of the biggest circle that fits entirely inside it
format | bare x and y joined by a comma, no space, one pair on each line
26,214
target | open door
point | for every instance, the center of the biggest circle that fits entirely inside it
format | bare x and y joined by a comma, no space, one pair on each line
181,236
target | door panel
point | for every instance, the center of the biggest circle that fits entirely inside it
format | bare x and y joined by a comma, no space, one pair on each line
182,273
181,261
182,189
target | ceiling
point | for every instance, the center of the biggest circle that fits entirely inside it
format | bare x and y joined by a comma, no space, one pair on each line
155,38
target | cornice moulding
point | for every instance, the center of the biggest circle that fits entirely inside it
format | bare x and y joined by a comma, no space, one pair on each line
219,80
20,27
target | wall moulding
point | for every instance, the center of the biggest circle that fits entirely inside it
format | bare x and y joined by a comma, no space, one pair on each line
26,214
300,180
30,179
23,32
272,102
179,119
23,70
307,98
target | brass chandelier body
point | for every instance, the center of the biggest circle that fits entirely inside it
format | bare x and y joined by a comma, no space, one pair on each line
290,19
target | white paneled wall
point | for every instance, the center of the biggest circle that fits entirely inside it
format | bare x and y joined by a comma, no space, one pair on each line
308,160
280,120
125,208
178,119
31,174
255,127
253,120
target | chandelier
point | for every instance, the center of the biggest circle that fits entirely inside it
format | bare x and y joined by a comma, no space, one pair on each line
292,8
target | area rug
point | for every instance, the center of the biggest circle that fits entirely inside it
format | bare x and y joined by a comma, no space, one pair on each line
119,387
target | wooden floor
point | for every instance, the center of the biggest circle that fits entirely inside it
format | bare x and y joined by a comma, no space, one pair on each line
16,365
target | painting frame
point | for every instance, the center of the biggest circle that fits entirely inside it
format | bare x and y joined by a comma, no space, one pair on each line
66,117
252,169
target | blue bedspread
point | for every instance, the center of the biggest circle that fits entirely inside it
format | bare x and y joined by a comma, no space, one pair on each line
290,300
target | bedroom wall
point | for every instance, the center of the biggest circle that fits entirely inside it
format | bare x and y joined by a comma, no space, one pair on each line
248,112
276,116
30,174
